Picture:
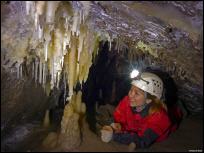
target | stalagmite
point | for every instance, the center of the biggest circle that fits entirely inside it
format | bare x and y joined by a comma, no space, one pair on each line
69,137
51,140
83,108
46,122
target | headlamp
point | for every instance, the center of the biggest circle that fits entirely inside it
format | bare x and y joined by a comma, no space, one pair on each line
134,74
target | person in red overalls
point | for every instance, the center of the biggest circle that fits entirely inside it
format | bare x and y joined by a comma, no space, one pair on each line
141,117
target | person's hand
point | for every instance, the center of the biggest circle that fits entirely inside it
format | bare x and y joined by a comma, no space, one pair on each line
107,128
116,127
106,134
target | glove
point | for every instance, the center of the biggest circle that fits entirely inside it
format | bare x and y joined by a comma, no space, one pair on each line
106,134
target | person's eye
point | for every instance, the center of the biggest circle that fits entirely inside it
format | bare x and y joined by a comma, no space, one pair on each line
139,93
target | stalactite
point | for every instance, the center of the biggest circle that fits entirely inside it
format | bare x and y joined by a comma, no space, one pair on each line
40,71
96,47
45,50
58,79
47,37
33,69
70,42
39,11
118,47
68,37
18,70
36,21
64,46
65,88
21,70
52,73
43,74
36,69
40,7
28,7
86,8
40,32
110,45
75,23
50,10
109,40
80,17
72,61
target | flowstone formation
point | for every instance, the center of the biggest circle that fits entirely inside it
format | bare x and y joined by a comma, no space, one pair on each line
70,135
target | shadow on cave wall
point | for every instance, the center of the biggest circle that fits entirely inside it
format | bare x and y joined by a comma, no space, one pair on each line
104,85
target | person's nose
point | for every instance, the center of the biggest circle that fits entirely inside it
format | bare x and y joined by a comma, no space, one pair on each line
132,94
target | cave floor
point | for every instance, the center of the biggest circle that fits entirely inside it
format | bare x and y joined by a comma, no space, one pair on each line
188,137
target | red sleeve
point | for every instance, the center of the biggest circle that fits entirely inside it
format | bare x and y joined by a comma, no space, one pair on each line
159,122
120,111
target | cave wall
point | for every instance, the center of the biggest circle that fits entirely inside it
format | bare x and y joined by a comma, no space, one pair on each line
22,101
139,37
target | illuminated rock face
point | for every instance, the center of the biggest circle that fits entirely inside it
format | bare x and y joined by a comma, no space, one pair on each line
59,37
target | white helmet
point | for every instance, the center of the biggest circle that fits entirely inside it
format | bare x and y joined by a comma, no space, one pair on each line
150,83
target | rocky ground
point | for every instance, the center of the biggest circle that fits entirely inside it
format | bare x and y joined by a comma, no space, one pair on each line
187,138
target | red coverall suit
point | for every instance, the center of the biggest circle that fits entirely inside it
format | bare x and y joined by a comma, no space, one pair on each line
140,128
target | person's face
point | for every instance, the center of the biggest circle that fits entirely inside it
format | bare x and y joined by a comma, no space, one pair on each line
136,96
